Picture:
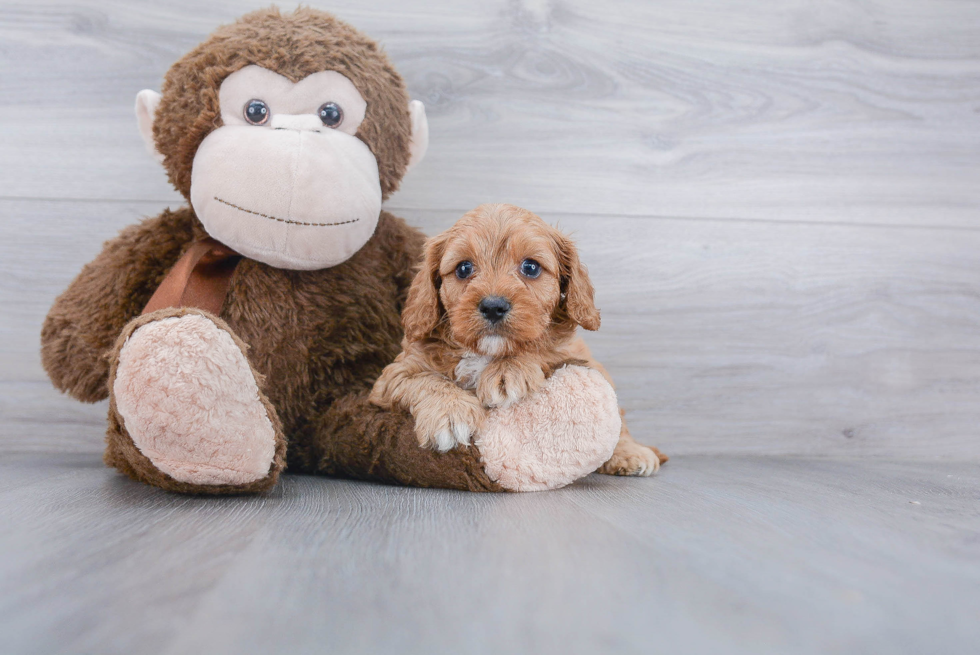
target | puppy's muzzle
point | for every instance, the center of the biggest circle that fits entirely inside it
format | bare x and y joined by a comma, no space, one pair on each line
494,308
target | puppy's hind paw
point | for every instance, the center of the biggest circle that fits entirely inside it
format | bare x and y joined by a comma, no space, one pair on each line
632,459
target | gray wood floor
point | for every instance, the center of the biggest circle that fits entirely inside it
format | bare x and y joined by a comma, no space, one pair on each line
721,554
780,208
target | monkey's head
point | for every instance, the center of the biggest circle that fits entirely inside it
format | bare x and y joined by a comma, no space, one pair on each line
285,132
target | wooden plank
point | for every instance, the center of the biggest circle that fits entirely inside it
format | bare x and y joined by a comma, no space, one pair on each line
118,544
724,336
722,555
863,114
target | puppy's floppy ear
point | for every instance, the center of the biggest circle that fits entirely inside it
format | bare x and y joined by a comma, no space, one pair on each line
423,308
578,296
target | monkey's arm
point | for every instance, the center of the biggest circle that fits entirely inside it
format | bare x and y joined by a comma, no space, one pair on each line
85,320
357,439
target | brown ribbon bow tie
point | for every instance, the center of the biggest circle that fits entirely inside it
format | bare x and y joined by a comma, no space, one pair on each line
200,278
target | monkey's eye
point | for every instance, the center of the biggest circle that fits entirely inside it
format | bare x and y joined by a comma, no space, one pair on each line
464,270
256,112
331,114
530,268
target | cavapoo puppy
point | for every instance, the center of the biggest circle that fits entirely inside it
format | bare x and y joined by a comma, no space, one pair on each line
490,315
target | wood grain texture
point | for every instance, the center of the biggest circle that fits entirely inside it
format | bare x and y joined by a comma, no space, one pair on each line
716,555
850,112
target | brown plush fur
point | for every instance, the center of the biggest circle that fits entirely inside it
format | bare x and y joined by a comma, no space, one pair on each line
443,326
318,338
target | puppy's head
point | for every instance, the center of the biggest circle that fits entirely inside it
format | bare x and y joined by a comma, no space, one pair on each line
498,282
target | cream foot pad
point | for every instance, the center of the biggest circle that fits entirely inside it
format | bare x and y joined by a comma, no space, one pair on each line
555,436
190,403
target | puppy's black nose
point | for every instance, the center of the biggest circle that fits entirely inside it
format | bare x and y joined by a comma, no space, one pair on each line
494,308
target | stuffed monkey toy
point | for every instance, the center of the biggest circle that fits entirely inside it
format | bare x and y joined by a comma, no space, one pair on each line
241,334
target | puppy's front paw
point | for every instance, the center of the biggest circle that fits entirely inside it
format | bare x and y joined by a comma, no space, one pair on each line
506,384
631,458
450,422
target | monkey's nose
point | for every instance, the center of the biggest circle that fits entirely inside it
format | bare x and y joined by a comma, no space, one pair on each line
494,308
308,122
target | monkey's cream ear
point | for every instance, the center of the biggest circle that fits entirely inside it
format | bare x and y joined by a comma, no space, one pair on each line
420,133
147,102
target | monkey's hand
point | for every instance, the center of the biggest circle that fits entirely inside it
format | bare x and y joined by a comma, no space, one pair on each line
86,319
506,381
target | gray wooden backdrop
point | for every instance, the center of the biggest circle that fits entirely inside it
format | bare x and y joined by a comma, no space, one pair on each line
779,203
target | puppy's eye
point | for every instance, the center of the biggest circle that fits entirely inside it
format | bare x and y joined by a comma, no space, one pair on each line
530,268
464,270
331,114
256,112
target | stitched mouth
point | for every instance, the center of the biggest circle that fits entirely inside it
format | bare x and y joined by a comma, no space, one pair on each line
283,220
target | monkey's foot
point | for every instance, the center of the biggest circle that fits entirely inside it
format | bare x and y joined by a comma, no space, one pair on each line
190,402
555,436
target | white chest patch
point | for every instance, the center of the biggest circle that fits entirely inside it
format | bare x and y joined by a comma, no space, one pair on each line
470,368
492,345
